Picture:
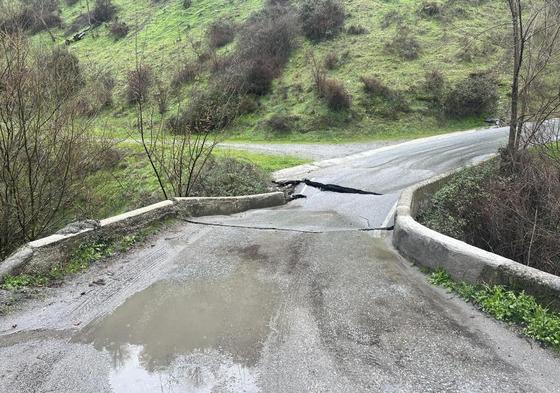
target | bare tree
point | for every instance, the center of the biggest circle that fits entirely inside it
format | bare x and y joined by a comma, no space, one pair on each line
535,95
179,148
40,140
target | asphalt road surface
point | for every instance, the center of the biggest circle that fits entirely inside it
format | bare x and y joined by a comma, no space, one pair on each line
288,299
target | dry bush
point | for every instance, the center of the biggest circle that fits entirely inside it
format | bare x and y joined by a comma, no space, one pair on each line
41,136
430,9
103,11
161,97
321,19
280,123
33,16
220,33
513,211
118,29
184,74
375,88
247,104
383,100
404,44
264,46
230,177
139,83
474,96
392,17
97,94
434,87
335,95
208,111
331,61
356,30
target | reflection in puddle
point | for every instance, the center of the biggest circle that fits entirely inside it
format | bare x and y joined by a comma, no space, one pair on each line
196,372
187,337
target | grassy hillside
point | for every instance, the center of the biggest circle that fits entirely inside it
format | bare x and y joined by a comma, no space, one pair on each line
462,37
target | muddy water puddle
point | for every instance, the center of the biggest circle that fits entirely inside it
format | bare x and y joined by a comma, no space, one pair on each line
193,336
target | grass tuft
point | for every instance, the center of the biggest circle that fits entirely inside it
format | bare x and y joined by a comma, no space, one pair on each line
507,305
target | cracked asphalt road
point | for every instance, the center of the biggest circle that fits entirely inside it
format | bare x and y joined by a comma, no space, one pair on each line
229,309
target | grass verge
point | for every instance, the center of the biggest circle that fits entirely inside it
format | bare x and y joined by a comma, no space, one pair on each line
86,255
514,307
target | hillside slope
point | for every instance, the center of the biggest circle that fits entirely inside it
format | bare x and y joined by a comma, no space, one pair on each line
456,38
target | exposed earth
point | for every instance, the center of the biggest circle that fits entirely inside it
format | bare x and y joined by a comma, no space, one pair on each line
287,299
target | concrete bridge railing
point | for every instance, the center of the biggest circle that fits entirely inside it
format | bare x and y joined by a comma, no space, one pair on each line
40,255
428,248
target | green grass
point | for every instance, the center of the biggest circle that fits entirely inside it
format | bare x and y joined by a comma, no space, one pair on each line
87,254
267,162
518,308
132,184
162,34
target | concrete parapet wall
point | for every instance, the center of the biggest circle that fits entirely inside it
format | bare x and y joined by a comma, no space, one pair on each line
41,255
431,249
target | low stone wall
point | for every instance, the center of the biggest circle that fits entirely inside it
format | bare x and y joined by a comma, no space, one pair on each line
40,255
431,249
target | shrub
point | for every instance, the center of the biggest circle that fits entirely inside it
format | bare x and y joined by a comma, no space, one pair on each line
388,102
280,123
187,4
139,82
390,18
511,211
264,45
230,177
375,88
103,11
98,94
185,74
331,60
430,9
33,16
118,29
247,104
321,19
161,97
474,96
220,33
258,76
207,110
404,44
270,34
434,87
356,30
335,95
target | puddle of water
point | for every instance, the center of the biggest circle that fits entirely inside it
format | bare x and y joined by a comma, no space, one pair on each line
197,373
159,332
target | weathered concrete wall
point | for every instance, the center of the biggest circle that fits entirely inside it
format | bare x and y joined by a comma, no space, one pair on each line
462,261
41,255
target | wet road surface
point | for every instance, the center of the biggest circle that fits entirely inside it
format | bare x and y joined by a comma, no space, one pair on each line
288,299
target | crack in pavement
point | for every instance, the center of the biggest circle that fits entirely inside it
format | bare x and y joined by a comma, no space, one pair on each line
325,187
215,224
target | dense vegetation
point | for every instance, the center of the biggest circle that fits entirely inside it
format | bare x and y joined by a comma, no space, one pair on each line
509,211
425,51
513,307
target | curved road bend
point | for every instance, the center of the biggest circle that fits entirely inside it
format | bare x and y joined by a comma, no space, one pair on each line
311,306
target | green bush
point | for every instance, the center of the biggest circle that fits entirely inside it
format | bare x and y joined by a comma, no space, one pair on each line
231,177
474,96
453,209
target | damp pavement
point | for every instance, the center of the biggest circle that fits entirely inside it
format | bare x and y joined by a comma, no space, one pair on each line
289,299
